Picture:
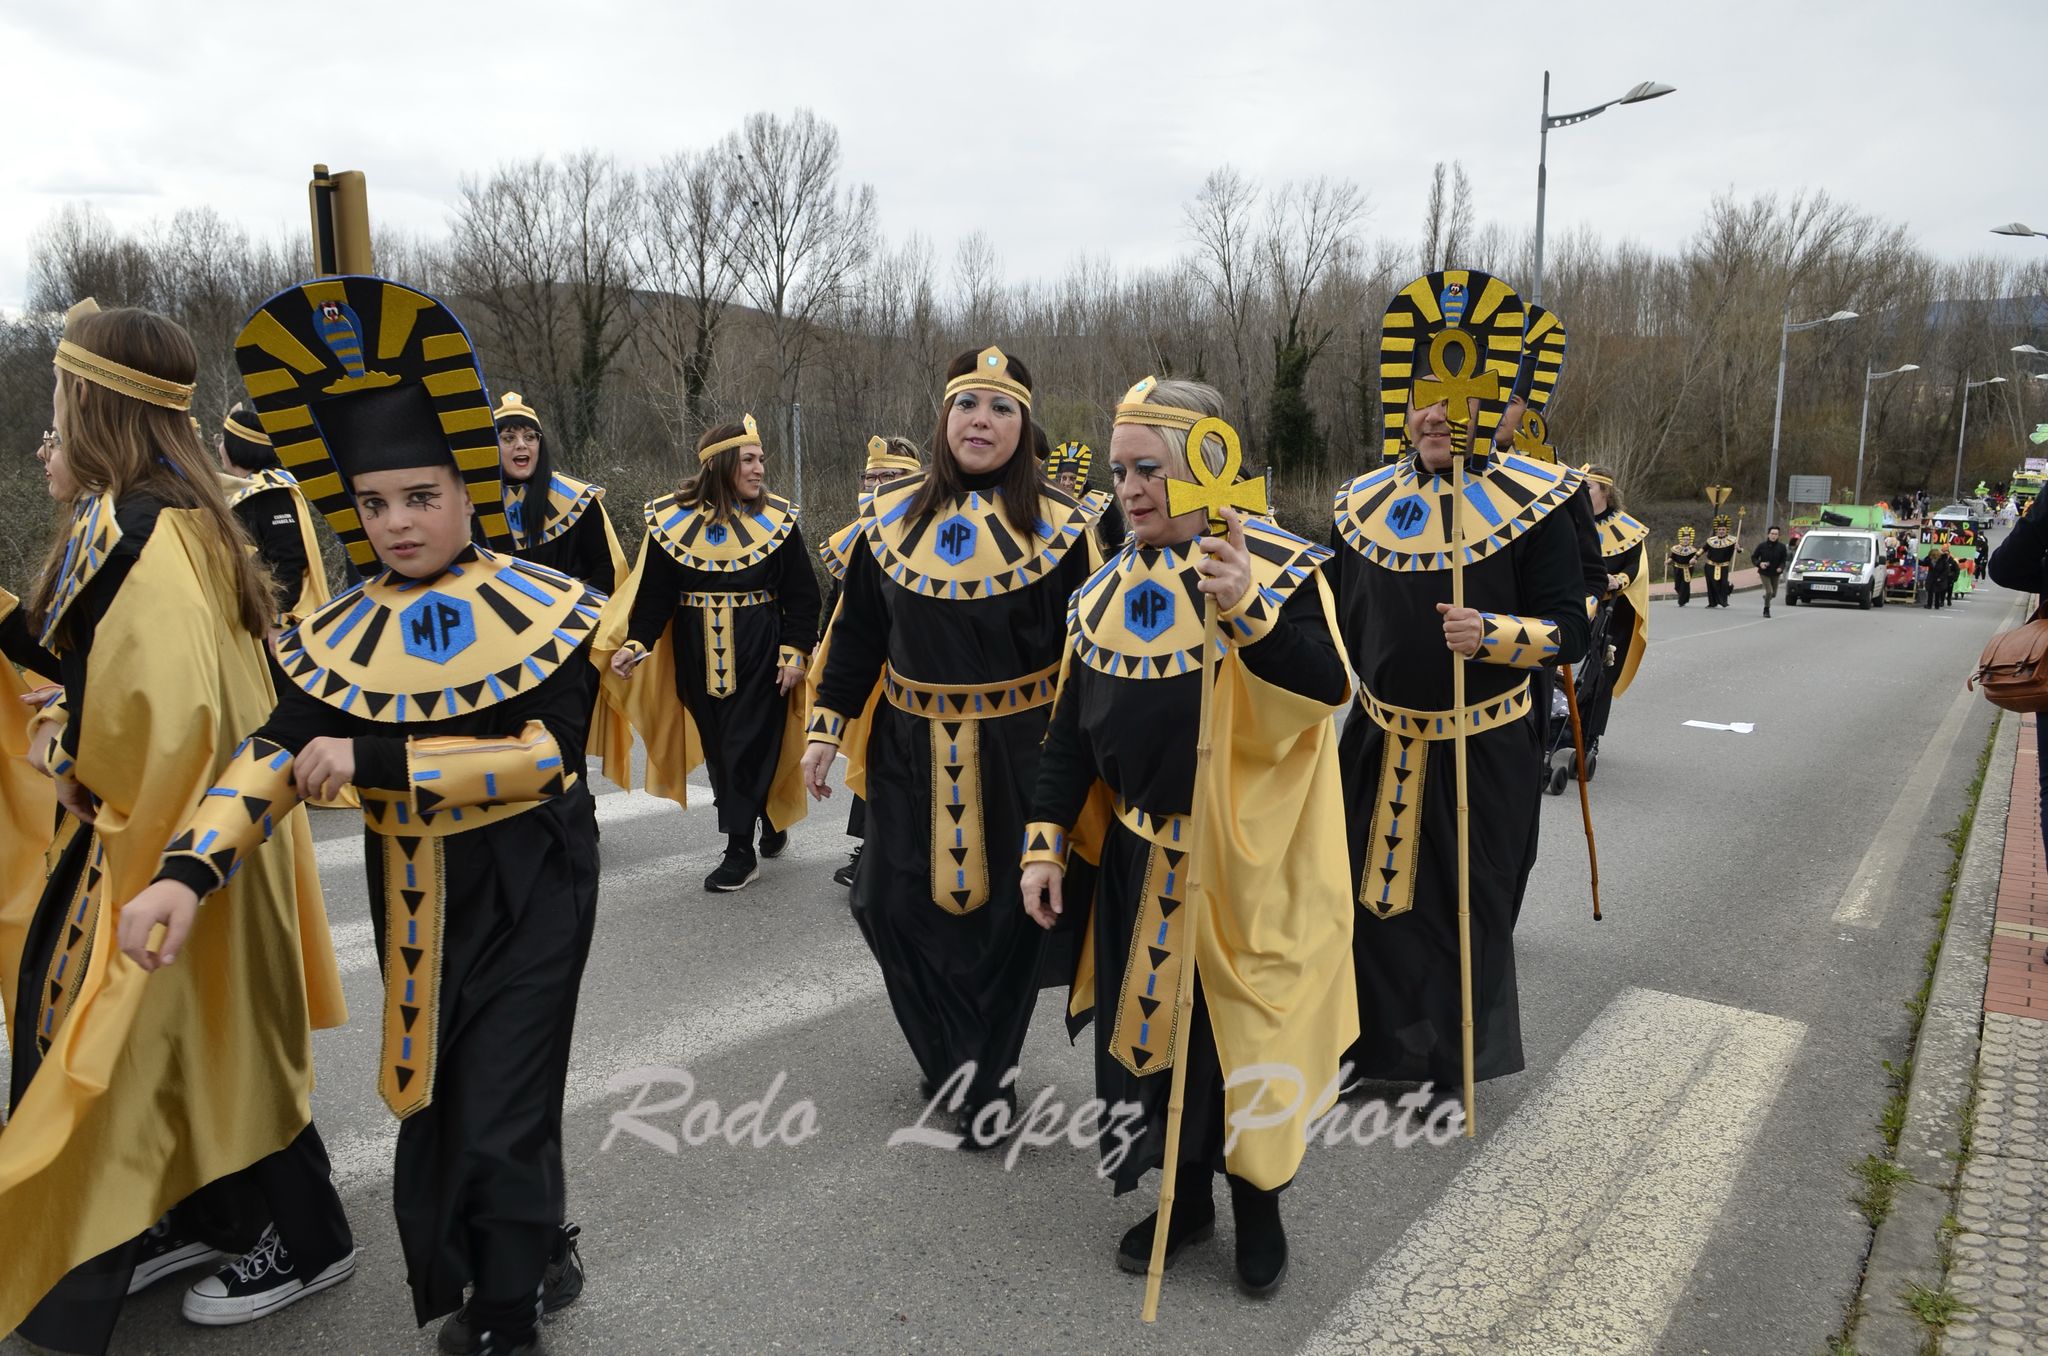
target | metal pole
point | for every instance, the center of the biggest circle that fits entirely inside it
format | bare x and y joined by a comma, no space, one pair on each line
1778,419
1542,180
796,441
1862,431
1955,490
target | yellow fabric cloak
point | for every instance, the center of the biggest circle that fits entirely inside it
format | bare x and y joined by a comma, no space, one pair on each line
154,1085
28,810
649,702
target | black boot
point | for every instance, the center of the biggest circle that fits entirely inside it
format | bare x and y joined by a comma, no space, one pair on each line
844,875
1194,1220
1261,1241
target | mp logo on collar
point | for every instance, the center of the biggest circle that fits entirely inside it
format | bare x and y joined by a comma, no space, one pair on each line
956,539
1408,516
1148,610
437,628
715,534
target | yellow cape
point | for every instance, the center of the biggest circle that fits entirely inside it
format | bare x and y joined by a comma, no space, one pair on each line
155,1085
28,810
649,703
1273,876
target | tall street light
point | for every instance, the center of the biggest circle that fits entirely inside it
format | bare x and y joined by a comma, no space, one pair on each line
1778,415
1863,429
1637,94
2018,228
1955,490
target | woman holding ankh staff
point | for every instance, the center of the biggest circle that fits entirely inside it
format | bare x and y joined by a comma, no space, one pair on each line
1257,827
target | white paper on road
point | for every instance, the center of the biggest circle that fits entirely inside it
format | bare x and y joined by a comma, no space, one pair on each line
1738,727
1577,1226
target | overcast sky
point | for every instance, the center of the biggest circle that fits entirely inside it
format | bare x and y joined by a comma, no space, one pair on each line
1054,127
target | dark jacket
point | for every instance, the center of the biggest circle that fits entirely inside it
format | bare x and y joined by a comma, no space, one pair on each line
1770,557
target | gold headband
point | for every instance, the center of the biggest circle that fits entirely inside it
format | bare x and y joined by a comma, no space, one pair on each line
1588,472
880,458
514,406
121,379
244,432
750,436
1135,409
991,373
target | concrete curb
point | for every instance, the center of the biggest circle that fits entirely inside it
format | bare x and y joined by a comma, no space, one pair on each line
1907,1248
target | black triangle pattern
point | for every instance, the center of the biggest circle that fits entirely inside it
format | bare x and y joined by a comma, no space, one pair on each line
959,852
412,885
1386,887
1144,1036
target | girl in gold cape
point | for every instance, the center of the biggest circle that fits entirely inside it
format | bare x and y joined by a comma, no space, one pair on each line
132,1092
1274,1005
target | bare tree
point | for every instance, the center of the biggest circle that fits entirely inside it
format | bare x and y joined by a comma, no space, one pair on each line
687,260
1221,221
798,238
1311,229
1447,225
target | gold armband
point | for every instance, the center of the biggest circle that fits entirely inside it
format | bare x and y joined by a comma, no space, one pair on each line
1517,642
1242,624
459,772
1044,842
826,726
790,657
235,818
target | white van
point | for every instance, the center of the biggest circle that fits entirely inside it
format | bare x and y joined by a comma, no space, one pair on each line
1837,564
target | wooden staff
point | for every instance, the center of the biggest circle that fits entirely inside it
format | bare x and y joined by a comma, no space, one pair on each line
1211,491
1571,703
1459,459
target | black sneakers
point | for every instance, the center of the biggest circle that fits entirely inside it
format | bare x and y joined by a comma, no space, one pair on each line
559,1287
844,875
736,872
773,840
258,1283
163,1252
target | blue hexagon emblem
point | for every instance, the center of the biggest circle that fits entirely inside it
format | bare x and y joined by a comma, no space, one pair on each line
437,627
1408,516
715,534
1148,610
954,540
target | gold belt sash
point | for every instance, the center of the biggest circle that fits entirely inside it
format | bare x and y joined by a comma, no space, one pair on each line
715,611
1143,1038
954,713
415,902
1386,886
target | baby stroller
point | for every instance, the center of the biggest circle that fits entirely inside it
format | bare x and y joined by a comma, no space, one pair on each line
1560,758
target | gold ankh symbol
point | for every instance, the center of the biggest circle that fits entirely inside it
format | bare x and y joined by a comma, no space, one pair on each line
1214,491
1469,380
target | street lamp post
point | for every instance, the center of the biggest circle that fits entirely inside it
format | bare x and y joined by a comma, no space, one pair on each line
1955,489
1647,90
2018,228
1778,414
1863,429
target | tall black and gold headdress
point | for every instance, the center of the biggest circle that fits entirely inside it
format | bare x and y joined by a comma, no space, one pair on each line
1075,457
1543,350
354,374
1455,336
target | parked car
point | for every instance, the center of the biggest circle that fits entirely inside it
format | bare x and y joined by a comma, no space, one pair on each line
1837,564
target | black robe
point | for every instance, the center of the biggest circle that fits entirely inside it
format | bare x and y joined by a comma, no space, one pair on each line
741,732
962,984
582,550
1621,624
1136,736
272,519
1408,965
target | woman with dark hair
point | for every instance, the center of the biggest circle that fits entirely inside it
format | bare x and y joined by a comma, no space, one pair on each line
556,520
955,603
274,512
158,1122
724,602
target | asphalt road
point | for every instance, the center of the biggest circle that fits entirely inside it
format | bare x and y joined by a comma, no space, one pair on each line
1671,1174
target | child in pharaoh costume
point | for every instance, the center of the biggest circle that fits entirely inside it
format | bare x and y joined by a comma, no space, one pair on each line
1449,353
1683,558
1272,983
1067,467
185,1092
449,687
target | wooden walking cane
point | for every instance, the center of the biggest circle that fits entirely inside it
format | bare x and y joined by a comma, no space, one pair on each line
1460,460
1571,703
1212,492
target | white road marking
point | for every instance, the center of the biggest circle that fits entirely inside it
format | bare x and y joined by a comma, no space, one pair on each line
1869,891
1738,727
1577,1226
1717,631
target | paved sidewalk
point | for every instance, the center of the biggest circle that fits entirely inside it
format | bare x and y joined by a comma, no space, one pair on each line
2000,1257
